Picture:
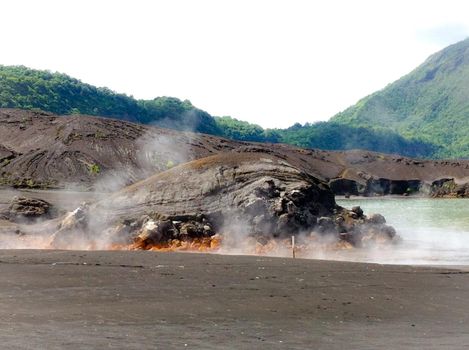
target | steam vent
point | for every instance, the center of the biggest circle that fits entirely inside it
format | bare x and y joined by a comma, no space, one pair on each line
249,195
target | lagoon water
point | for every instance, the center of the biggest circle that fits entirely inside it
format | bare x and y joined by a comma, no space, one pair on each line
433,231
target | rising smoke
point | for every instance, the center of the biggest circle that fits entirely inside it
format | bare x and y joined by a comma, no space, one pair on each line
157,153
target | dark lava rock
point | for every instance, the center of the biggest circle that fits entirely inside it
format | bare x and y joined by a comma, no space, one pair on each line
234,194
154,232
233,191
86,151
449,188
24,209
327,225
357,210
376,219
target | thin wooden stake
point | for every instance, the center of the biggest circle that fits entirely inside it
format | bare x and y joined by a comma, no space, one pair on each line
293,246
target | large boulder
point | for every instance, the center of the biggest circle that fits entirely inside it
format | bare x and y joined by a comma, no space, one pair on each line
25,209
449,188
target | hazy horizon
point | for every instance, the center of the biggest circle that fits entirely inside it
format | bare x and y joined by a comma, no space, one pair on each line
273,63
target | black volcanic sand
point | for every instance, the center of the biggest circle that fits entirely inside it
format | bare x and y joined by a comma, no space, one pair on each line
151,300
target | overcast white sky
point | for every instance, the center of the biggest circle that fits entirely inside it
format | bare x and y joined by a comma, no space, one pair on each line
269,62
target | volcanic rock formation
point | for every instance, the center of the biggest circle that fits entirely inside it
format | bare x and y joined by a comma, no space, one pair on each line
41,150
23,209
228,195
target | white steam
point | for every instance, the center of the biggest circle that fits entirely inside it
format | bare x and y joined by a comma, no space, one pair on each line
433,231
155,152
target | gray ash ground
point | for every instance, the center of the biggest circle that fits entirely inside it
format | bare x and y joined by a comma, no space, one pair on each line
146,300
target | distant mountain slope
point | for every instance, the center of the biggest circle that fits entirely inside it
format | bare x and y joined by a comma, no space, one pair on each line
336,136
25,88
431,103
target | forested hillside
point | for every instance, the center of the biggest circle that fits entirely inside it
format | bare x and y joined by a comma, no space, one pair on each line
25,88
21,87
431,103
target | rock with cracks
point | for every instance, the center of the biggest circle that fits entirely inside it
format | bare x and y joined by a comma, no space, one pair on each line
244,194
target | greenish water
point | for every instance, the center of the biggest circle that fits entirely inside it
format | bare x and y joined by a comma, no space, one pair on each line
434,231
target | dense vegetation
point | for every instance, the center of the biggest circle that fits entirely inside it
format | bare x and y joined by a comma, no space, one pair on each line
431,103
240,130
334,136
328,135
423,114
21,87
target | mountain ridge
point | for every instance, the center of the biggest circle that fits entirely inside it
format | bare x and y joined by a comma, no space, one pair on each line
431,103
30,89
423,114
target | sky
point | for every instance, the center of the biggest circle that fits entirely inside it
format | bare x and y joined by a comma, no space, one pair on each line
273,63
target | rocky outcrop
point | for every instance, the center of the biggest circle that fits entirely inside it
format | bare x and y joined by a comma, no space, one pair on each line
41,150
346,187
23,209
449,188
234,194
374,187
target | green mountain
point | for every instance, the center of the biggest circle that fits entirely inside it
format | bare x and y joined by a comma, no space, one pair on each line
336,136
21,87
431,103
25,88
